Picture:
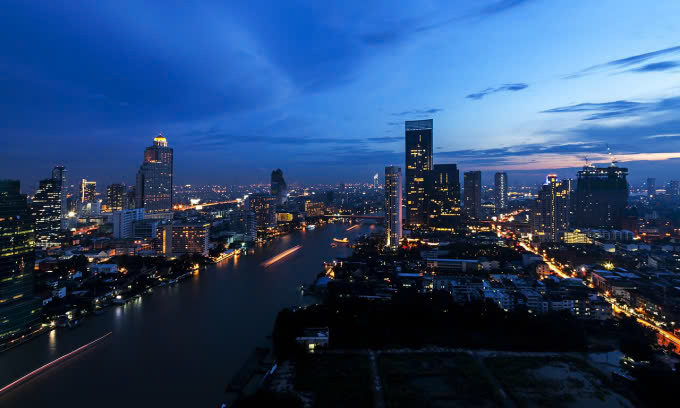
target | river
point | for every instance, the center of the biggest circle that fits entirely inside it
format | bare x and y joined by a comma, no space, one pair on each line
180,346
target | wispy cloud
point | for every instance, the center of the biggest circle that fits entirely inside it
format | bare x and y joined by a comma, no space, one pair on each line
657,66
500,6
503,88
620,109
418,112
629,62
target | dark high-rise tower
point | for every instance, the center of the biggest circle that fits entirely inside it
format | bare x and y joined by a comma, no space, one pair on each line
472,193
88,191
19,310
393,210
279,188
651,187
601,197
115,197
154,178
418,165
59,173
47,213
500,192
443,196
551,210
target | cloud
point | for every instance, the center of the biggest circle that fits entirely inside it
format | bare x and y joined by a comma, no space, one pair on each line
500,6
417,112
386,139
503,88
630,62
657,66
621,108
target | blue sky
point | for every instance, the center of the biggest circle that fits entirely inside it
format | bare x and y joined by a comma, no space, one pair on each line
322,89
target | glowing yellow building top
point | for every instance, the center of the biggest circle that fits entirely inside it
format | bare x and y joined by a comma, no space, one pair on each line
160,141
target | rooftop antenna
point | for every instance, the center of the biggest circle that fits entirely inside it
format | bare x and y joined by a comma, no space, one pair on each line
612,158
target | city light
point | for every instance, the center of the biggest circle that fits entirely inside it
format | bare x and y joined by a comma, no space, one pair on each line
281,256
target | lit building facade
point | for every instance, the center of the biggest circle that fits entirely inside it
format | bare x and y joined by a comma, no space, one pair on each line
60,174
500,192
444,196
314,209
181,239
124,221
550,217
264,208
115,197
393,207
601,197
674,188
472,194
651,187
47,213
154,178
88,191
418,165
19,310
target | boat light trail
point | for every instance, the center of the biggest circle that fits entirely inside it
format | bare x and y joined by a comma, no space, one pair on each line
281,256
353,227
50,364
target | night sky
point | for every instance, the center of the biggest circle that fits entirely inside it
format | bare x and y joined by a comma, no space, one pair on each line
321,89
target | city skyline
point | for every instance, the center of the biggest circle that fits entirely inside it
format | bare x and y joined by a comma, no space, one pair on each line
559,99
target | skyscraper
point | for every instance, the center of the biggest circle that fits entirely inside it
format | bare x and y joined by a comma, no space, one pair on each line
393,211
19,310
154,178
472,194
418,164
59,173
601,197
375,181
47,212
651,187
674,188
279,188
550,216
115,197
88,191
500,192
264,208
444,196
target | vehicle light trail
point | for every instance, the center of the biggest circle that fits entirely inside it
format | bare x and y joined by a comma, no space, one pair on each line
551,265
281,255
50,364
353,227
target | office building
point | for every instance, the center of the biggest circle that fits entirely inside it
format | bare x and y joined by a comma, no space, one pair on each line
393,207
19,310
60,174
444,197
651,187
88,191
185,238
601,197
146,229
375,181
115,197
550,216
418,165
264,208
47,213
314,209
154,178
124,221
674,188
500,192
279,188
472,194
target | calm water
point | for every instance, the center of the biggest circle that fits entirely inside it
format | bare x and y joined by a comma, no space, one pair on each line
178,347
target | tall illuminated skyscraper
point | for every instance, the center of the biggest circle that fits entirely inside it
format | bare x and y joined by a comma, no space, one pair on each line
154,178
444,196
115,197
88,191
47,213
59,173
551,211
500,192
375,181
472,194
393,212
418,165
19,310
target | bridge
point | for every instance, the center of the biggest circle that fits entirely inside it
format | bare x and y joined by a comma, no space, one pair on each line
358,217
